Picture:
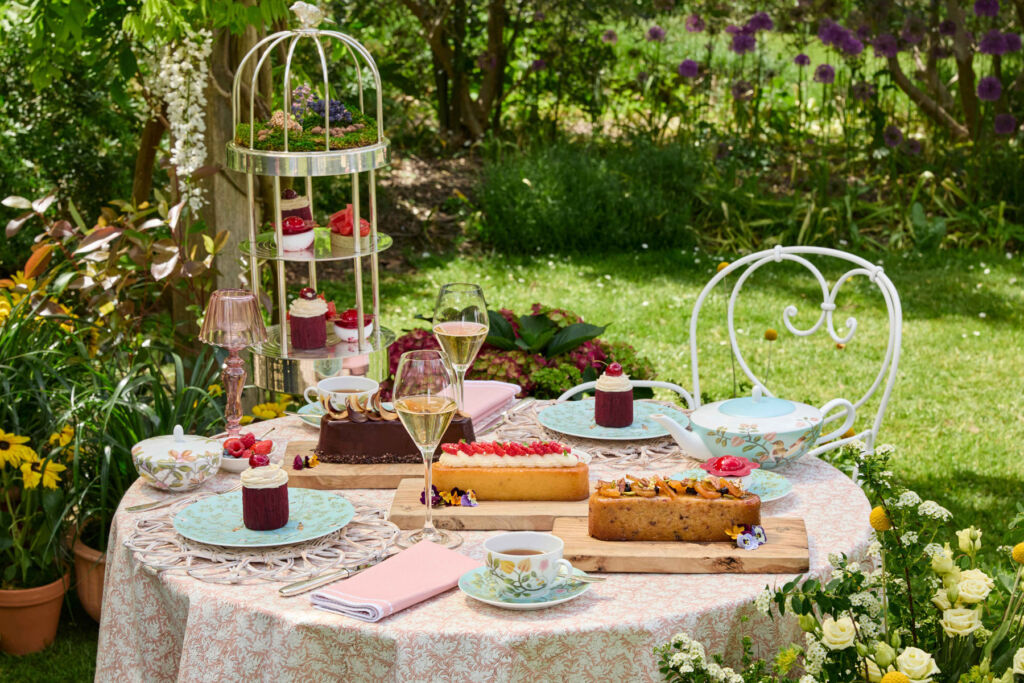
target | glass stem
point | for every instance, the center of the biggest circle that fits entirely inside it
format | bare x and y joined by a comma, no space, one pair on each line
233,379
460,385
429,532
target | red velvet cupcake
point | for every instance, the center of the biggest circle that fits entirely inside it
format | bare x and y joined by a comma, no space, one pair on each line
307,321
613,398
294,204
264,498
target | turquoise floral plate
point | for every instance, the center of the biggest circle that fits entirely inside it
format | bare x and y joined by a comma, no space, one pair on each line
311,414
217,520
480,585
767,486
576,418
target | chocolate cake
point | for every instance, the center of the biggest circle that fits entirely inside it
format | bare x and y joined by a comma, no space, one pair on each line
365,433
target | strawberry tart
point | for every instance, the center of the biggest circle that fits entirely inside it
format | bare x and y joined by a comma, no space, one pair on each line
542,470
343,226
296,234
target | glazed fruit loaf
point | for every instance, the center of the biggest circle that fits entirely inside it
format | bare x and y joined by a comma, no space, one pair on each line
656,509
511,471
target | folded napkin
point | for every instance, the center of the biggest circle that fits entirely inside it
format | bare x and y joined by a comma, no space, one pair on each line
486,401
410,577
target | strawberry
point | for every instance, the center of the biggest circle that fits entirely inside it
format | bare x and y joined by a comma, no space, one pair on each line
248,439
263,447
450,448
499,450
464,447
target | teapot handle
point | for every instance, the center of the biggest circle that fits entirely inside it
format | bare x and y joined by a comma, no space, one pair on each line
851,416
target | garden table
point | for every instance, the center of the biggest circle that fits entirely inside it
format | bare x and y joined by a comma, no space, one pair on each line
167,626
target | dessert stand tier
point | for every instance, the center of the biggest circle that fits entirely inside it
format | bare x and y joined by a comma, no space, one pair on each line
306,164
265,248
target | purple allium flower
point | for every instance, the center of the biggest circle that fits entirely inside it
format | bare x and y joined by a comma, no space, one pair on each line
733,29
538,65
743,43
1011,43
824,74
694,24
947,27
1005,124
829,31
688,68
742,90
863,33
862,91
912,146
992,43
801,60
886,46
986,8
656,34
892,136
761,22
610,37
850,45
990,89
910,37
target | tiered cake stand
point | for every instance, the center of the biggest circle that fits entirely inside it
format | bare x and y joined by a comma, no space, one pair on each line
277,365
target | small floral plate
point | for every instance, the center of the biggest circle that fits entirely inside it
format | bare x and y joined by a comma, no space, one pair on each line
311,414
767,486
576,418
217,520
480,585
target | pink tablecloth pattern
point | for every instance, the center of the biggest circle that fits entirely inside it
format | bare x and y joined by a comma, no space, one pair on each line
171,627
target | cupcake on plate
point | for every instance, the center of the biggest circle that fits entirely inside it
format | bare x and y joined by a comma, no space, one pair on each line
264,496
296,234
613,398
293,204
307,320
346,325
735,468
343,228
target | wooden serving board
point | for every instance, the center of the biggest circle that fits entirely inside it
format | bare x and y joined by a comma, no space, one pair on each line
505,515
785,552
332,476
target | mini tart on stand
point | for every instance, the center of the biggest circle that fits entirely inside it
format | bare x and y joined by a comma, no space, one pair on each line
733,468
346,325
294,204
307,320
613,398
542,470
364,432
296,234
342,230
658,509
264,497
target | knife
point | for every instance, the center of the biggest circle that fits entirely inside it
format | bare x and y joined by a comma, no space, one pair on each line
306,585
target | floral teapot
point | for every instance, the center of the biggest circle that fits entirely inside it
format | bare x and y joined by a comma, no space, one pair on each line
177,462
764,429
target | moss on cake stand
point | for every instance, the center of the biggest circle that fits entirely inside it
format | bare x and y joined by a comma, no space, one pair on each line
306,141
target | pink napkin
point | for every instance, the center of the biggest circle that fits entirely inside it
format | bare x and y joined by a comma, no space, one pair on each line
410,577
487,401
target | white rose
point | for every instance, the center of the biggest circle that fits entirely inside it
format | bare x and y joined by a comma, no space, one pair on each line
874,673
979,575
942,562
838,634
960,622
972,591
969,540
917,665
941,600
1018,661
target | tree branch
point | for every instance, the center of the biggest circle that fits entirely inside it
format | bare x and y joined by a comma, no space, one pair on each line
964,56
928,105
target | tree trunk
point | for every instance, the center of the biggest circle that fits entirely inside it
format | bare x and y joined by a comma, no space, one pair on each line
149,145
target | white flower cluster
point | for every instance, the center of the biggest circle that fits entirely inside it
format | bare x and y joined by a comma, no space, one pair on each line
933,550
763,602
908,499
691,658
931,509
869,601
909,538
874,550
180,78
815,655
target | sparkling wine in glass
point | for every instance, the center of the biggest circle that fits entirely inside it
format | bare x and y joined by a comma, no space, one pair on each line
460,326
424,397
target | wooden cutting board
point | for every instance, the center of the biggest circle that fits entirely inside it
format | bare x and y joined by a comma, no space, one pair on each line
785,552
331,476
505,515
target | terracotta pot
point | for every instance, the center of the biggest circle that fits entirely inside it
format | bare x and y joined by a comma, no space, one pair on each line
29,616
90,569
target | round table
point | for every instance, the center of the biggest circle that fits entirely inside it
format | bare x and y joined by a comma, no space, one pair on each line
161,627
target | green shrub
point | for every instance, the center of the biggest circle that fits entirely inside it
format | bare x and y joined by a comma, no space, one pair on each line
590,198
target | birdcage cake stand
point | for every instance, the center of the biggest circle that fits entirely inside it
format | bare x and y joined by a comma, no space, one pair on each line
279,155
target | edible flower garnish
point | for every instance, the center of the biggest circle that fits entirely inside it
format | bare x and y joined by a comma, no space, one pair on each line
454,497
747,536
734,531
305,462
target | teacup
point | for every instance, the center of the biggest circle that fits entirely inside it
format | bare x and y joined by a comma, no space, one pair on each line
338,389
526,563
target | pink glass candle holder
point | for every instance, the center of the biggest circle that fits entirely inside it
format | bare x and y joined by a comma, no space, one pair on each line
233,322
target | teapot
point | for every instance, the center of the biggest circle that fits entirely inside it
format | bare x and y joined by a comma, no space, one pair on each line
762,428
177,462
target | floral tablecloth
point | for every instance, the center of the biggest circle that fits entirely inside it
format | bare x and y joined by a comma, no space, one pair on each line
163,627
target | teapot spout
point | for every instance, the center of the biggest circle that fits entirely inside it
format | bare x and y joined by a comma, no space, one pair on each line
687,440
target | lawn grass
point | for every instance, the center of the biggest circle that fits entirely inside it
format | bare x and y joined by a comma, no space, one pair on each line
956,414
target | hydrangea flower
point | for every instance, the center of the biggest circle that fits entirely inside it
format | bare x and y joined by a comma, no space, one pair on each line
688,68
986,8
1005,124
743,42
610,37
990,89
892,136
801,60
761,22
824,74
886,46
656,34
694,24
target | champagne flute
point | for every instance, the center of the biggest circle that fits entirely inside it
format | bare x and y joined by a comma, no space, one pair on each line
460,325
424,400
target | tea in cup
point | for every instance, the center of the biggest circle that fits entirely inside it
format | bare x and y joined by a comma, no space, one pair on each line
525,564
338,389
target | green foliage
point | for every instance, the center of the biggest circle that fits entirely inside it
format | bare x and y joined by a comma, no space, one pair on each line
552,381
306,141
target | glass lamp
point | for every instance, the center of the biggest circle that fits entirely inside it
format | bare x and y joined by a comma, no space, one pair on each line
233,322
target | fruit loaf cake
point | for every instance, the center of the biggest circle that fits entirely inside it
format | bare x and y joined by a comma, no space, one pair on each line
657,509
511,471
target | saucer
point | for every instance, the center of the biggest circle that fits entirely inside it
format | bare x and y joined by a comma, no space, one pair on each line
767,486
576,418
476,583
311,414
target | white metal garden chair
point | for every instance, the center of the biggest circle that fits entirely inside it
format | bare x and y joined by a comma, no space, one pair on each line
886,376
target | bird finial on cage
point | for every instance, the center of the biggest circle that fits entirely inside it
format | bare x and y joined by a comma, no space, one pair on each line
309,15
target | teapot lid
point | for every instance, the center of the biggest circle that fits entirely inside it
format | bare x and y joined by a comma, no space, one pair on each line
757,406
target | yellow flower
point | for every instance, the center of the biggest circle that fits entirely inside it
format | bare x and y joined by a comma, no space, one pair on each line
722,266
45,471
21,283
770,334
507,566
215,390
63,437
268,411
5,309
313,461
734,531
246,419
879,519
895,677
13,450
1018,553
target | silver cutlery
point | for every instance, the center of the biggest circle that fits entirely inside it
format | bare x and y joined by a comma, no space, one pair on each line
306,585
587,578
165,503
